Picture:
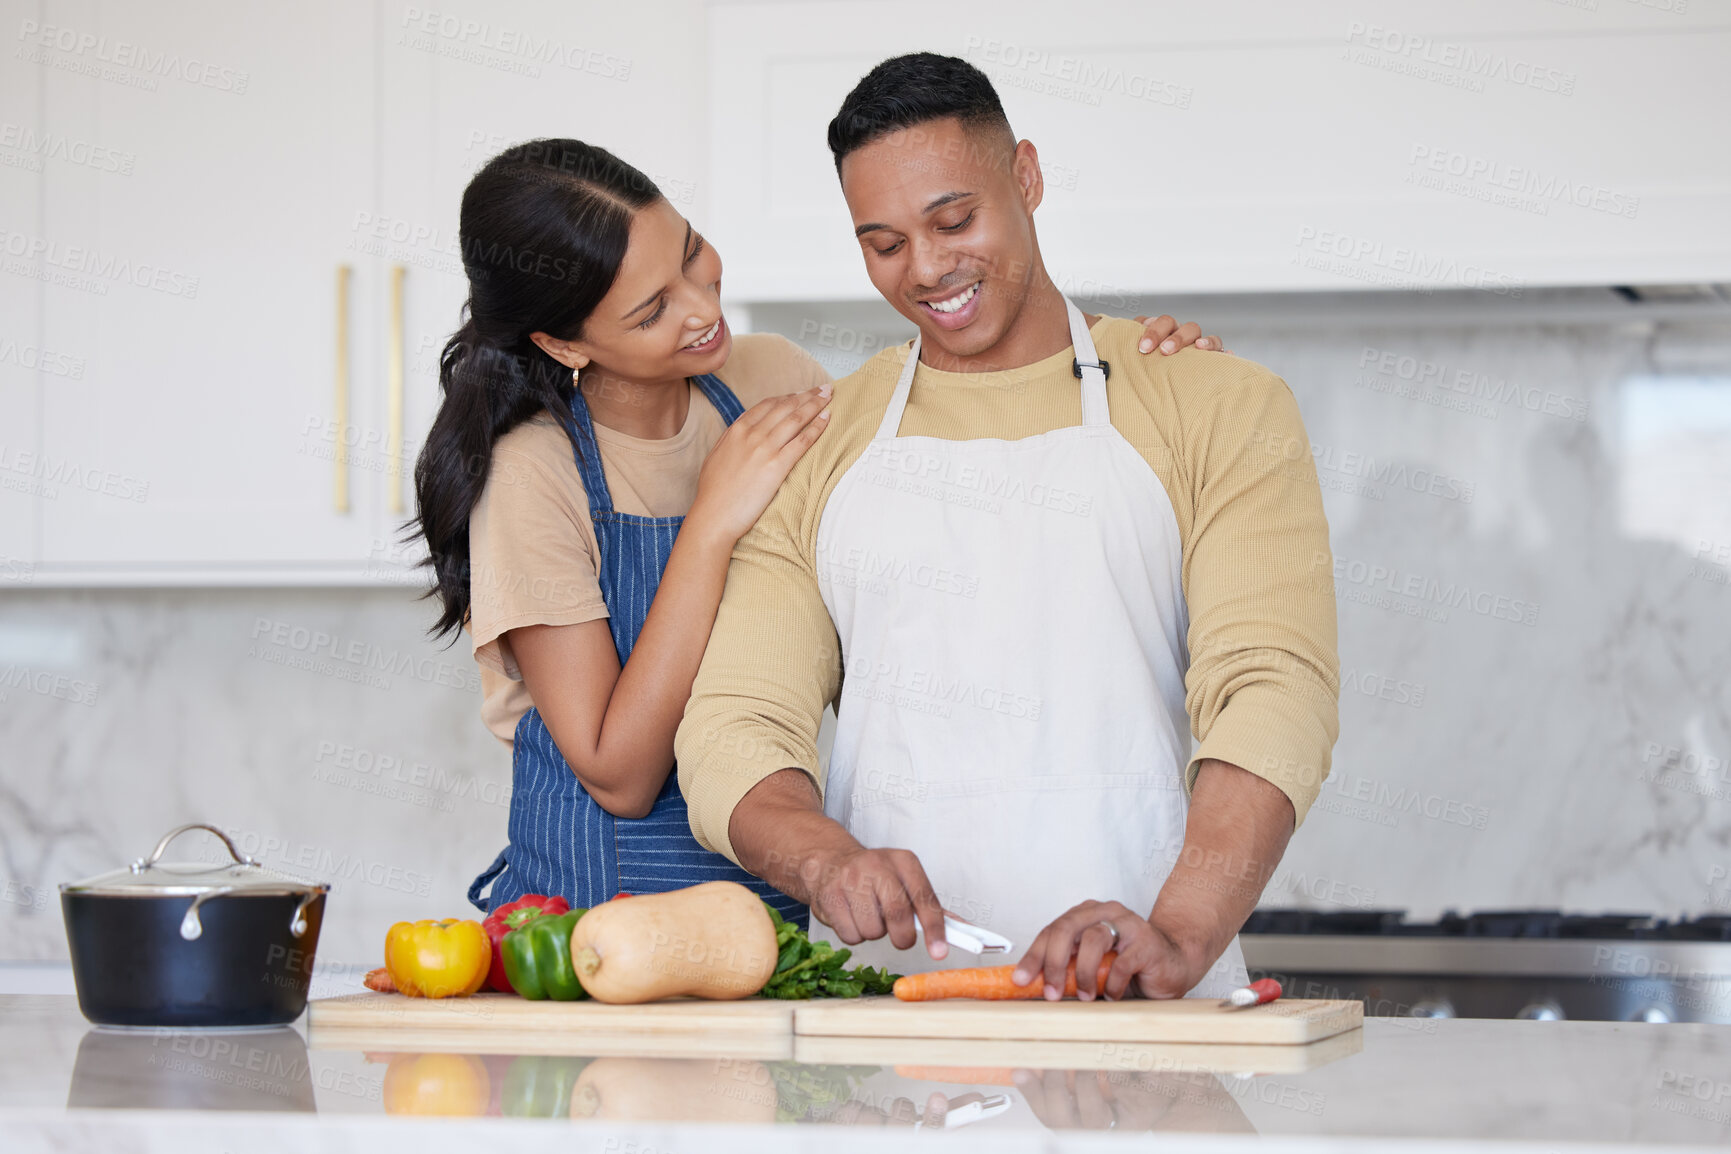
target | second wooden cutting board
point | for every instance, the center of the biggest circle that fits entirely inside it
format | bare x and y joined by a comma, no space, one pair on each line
1288,1022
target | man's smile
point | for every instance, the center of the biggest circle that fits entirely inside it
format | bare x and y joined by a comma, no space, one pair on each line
955,310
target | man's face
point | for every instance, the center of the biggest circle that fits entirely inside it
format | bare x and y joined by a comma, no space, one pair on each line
944,217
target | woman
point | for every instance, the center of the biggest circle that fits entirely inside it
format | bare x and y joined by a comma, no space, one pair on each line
602,444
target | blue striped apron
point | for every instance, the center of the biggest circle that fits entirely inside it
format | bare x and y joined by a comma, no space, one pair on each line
561,841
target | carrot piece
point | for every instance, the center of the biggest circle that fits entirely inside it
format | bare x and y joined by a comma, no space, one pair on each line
992,983
961,1075
379,980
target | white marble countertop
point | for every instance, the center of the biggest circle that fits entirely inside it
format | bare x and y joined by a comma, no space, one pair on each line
67,1085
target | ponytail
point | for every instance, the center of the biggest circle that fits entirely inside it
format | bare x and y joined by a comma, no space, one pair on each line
543,230
488,392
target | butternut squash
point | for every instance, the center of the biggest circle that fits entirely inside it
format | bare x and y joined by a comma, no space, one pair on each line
675,1090
714,940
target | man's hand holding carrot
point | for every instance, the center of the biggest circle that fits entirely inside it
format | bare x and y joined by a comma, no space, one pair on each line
1236,832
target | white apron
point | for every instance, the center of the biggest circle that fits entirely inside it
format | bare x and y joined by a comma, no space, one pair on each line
1013,626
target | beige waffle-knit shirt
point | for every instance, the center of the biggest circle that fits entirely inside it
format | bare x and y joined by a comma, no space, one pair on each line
1224,437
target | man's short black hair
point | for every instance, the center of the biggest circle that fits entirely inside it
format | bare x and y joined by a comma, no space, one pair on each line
907,90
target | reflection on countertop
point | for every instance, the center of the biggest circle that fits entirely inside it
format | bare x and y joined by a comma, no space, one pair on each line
62,1080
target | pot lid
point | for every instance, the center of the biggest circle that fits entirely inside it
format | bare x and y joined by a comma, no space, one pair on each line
151,876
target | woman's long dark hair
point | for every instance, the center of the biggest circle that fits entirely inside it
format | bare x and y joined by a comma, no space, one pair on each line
543,229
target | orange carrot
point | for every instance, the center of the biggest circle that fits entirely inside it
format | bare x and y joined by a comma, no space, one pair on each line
961,1075
987,982
380,980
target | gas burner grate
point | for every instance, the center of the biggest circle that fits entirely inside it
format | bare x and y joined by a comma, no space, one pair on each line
1500,924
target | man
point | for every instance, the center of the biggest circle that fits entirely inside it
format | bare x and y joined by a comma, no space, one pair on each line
1024,563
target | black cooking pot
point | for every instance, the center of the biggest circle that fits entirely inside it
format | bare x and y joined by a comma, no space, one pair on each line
191,943
169,1069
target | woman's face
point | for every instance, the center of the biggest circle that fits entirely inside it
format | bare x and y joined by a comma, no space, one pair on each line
661,320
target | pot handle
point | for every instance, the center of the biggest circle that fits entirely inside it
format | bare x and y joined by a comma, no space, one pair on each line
145,863
298,923
191,929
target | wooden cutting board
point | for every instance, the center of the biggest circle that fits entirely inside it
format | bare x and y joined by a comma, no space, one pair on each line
762,1028
496,1013
1287,1022
983,1061
548,1043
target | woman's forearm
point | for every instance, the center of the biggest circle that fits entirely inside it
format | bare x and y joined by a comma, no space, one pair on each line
626,763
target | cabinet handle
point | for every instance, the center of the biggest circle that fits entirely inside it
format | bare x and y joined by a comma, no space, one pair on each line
395,449
340,485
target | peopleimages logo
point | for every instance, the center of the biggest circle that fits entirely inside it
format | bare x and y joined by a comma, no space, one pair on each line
457,37
315,650
1524,181
868,570
1429,591
963,482
327,864
87,46
34,358
1378,471
1072,77
41,475
1365,258
893,683
1399,51
103,268
43,145
1390,364
47,684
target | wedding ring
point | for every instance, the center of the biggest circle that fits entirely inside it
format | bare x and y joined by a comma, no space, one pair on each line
1110,926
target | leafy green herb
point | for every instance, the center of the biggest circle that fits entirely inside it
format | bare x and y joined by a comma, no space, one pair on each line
807,1093
808,969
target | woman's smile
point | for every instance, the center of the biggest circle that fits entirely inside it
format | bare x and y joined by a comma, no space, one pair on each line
706,341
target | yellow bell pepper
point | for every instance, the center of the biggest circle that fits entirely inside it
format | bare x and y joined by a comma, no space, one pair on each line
452,1084
438,959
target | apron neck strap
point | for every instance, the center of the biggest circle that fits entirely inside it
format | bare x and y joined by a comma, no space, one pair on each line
1088,364
581,429
899,399
1091,368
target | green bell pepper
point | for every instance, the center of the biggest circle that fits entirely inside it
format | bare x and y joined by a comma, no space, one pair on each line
537,1087
537,958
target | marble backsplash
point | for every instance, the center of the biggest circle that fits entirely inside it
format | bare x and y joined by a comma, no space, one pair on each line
1531,522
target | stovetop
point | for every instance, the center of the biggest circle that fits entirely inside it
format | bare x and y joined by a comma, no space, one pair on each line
1501,963
1547,924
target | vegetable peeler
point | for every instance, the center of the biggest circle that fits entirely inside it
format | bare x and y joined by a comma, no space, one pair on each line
988,1106
974,939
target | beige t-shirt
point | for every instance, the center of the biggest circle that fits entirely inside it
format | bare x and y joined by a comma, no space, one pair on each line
534,560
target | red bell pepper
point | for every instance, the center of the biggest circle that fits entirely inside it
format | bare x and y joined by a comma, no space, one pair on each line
509,917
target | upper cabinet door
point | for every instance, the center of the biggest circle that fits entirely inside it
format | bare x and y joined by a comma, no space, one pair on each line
28,365
194,269
460,84
1265,145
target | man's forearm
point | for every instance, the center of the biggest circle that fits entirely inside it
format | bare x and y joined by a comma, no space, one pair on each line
780,833
1234,837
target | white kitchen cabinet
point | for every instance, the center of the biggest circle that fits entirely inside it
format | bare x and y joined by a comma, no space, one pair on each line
201,288
267,148
1257,145
27,367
